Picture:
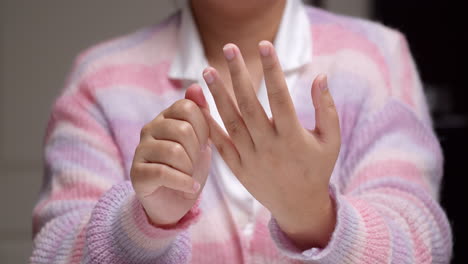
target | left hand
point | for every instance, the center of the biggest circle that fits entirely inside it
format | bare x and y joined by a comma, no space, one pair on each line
284,166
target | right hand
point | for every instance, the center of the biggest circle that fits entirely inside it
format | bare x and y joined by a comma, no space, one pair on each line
172,160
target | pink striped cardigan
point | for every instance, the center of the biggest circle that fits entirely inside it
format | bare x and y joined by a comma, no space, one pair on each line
385,183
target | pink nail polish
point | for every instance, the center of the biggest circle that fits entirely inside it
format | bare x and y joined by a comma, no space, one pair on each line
324,84
208,76
264,48
229,52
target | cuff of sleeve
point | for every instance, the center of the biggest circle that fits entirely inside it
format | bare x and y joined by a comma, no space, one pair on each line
119,231
341,241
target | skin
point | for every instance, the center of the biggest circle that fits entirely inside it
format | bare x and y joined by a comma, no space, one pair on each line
242,22
290,177
172,160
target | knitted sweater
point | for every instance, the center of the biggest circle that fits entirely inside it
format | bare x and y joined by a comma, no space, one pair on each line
385,183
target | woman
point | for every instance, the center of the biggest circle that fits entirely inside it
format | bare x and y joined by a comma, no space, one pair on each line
149,160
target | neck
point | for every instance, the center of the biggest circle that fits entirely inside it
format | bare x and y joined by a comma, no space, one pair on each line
242,22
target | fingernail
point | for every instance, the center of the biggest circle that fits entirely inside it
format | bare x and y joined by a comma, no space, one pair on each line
324,84
229,53
208,76
196,187
264,48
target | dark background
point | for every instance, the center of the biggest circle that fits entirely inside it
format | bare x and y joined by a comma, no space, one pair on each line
438,41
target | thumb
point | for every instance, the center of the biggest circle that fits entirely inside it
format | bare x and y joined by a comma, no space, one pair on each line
327,125
195,93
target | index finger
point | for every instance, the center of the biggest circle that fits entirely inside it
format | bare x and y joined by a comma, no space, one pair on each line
282,107
187,110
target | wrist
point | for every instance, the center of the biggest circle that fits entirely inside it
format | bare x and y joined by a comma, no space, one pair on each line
160,222
310,228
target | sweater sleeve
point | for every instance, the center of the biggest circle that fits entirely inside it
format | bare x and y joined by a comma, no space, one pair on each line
87,211
386,195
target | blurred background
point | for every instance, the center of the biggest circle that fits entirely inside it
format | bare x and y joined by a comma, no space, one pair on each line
39,40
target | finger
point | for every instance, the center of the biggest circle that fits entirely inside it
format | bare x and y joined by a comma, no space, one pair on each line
327,125
223,144
189,111
181,132
281,104
202,167
252,111
165,152
195,93
228,111
154,175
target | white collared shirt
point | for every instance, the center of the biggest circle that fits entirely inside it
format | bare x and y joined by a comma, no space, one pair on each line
294,48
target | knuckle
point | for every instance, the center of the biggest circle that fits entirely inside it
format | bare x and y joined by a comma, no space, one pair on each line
246,107
278,97
139,150
176,149
332,144
139,175
145,130
221,149
185,107
135,172
143,152
185,129
330,103
269,65
160,172
233,126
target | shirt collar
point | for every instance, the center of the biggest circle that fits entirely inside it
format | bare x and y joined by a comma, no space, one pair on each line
293,43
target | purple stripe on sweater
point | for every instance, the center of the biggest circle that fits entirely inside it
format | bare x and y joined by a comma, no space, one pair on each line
401,248
349,102
372,31
128,133
119,45
57,237
441,251
149,104
82,156
319,16
52,209
348,232
125,245
109,241
394,117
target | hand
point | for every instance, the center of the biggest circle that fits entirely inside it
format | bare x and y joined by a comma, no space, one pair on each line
284,166
172,161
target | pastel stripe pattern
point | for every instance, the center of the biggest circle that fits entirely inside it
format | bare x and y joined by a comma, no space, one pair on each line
385,184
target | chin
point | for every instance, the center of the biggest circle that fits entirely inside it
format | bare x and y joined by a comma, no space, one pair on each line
237,7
